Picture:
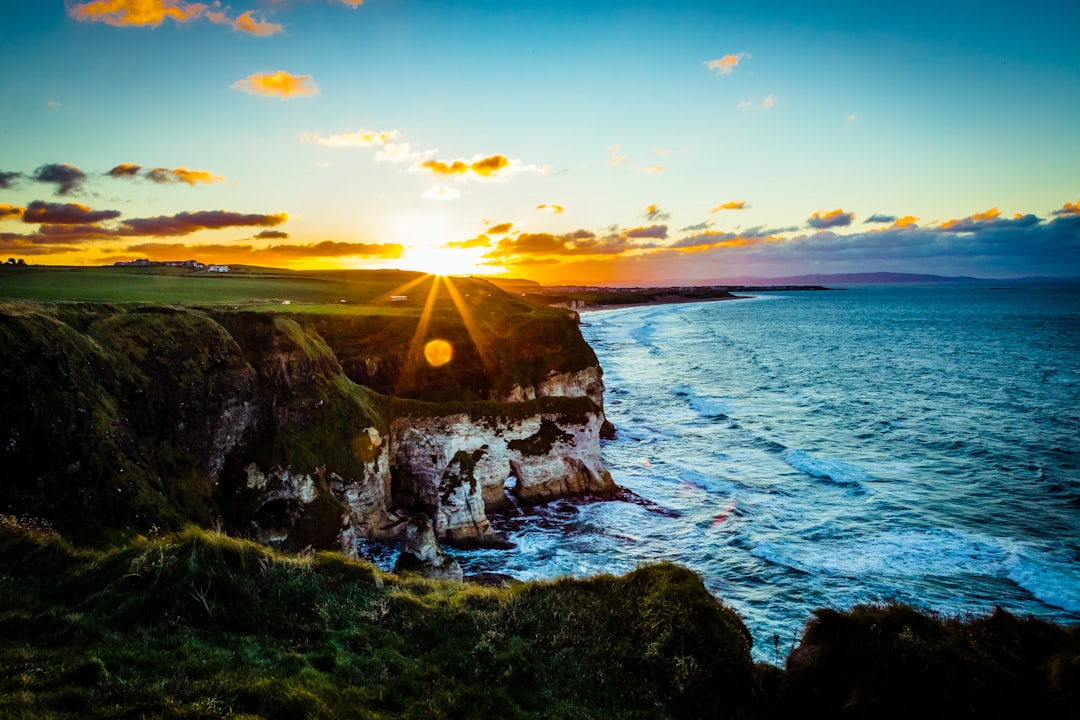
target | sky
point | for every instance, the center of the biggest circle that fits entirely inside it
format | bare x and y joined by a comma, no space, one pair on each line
569,142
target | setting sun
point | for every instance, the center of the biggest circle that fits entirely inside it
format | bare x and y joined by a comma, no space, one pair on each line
446,261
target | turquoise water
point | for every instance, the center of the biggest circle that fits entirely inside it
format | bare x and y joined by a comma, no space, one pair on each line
804,450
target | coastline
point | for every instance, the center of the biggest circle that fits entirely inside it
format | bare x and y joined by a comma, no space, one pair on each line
660,300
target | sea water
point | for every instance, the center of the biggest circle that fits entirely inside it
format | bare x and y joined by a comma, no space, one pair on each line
801,450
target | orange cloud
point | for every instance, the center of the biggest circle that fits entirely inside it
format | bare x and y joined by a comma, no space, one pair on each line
125,170
65,213
726,64
178,175
1068,209
223,253
654,212
968,223
486,167
833,218
655,169
11,212
730,205
500,229
907,221
353,3
136,13
551,208
246,22
277,84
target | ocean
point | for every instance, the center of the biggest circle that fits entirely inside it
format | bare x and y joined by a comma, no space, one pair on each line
801,450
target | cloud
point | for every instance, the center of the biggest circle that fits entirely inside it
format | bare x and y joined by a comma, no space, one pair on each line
1066,209
222,253
353,3
661,151
10,212
358,138
500,229
65,213
551,208
185,223
972,222
852,117
719,238
441,192
137,13
768,102
726,64
614,158
182,175
653,213
151,13
478,241
9,180
701,226
729,205
833,218
125,170
657,232
277,84
486,167
52,104
272,235
67,178
655,169
878,218
744,104
905,222
246,23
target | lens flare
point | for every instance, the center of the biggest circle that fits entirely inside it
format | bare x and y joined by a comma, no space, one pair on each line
438,352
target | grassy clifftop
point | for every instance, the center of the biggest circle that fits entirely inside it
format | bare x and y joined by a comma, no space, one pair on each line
199,625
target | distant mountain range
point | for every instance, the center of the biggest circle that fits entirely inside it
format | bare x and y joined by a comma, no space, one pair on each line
861,278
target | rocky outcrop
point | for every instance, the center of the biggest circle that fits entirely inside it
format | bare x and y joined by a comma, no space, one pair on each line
460,466
421,554
146,418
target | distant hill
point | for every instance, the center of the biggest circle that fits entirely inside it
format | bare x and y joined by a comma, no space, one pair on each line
854,278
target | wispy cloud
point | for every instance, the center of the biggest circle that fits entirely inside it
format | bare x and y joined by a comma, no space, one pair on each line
8,180
185,223
656,232
614,158
500,229
729,205
246,22
164,176
833,218
491,167
744,104
700,227
879,218
655,169
654,213
551,208
768,102
360,138
279,84
726,65
1068,208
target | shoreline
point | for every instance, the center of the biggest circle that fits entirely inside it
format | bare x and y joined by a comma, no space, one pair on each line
660,300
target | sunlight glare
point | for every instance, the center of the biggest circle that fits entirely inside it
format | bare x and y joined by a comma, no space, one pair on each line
438,352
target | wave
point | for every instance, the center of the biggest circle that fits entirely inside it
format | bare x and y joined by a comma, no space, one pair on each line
839,472
1051,581
905,554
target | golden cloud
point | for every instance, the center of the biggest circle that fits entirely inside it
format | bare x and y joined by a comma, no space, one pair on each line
277,84
500,229
968,223
223,253
726,64
907,221
182,175
1068,209
821,220
655,169
64,213
125,170
486,167
12,212
137,13
478,241
551,208
730,205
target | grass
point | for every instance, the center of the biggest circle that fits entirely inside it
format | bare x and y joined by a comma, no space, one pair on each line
198,625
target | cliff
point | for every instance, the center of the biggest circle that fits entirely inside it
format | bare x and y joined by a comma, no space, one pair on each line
299,429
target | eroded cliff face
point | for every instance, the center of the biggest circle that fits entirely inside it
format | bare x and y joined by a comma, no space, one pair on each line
457,466
145,418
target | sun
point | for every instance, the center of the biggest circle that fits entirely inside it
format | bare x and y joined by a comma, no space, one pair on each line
445,261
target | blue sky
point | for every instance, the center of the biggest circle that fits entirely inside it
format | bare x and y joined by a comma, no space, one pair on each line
959,116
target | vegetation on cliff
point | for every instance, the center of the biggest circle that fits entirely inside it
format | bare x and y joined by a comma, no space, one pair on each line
201,625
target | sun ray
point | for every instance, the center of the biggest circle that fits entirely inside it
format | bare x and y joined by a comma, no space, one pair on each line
471,327
413,358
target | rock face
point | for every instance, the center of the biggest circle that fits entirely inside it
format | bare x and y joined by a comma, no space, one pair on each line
146,417
421,554
457,466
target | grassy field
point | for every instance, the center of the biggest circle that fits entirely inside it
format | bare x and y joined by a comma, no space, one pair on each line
242,286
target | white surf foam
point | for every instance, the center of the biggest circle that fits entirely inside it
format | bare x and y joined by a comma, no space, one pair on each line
824,468
1054,581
